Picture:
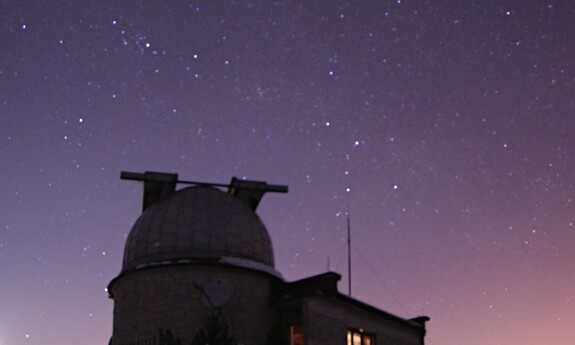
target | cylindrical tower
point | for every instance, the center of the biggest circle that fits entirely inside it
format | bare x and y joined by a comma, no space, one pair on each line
194,251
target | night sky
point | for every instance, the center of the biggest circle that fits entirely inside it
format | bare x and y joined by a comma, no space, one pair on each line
446,126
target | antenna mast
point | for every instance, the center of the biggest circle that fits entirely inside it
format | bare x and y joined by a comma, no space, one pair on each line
348,252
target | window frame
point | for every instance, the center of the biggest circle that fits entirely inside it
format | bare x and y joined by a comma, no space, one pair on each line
295,331
363,336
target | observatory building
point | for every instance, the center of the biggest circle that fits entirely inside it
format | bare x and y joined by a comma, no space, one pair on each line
201,253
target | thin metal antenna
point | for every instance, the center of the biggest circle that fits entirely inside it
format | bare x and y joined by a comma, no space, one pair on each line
328,264
348,250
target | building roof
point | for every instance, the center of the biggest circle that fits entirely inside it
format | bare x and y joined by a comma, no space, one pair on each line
199,222
325,286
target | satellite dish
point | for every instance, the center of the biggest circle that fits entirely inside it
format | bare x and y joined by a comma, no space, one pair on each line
217,292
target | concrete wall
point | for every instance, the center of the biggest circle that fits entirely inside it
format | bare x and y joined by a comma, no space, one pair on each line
167,298
326,321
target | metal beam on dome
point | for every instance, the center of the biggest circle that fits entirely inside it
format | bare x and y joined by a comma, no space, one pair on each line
252,192
157,185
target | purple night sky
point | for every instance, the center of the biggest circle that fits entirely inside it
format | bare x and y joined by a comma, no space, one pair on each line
447,126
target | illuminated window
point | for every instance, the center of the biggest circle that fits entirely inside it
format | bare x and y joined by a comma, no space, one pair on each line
359,337
296,335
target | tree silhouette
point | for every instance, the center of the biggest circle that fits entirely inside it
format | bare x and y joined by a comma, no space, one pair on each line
275,337
168,338
215,331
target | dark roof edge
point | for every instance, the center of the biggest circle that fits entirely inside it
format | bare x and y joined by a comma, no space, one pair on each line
325,284
417,322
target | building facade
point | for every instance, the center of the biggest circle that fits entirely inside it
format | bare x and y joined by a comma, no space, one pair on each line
202,250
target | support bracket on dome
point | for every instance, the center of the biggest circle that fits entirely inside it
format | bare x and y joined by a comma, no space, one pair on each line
251,192
157,185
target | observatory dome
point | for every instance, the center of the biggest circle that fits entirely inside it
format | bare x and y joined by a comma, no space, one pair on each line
197,223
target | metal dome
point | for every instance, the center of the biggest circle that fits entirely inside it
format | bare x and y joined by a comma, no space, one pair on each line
197,223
